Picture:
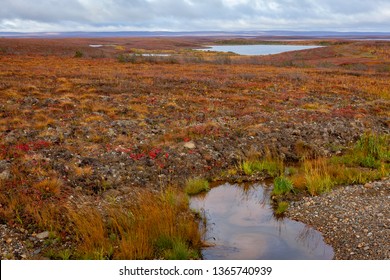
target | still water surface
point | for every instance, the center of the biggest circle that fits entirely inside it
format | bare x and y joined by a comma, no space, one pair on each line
241,226
258,49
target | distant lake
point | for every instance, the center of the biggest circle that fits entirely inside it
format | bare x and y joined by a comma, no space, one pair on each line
258,49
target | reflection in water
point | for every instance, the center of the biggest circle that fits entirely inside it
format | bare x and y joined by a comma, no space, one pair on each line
258,49
241,225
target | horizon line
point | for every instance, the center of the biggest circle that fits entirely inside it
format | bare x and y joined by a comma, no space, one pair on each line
240,33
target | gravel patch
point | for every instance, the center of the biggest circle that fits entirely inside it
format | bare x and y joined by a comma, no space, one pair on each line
355,219
12,242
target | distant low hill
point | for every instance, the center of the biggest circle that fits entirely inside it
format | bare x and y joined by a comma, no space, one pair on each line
286,34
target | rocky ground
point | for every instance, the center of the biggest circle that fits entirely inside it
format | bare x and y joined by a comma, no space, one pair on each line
101,128
355,220
17,243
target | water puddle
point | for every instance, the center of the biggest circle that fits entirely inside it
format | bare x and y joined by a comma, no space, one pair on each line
241,226
152,54
258,49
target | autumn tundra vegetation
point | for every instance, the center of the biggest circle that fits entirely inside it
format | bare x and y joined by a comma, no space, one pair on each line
101,143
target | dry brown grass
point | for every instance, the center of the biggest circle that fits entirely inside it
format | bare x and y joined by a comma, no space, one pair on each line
49,186
84,171
299,181
111,231
131,231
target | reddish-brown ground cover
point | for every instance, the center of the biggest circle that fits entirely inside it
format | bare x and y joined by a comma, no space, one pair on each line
92,121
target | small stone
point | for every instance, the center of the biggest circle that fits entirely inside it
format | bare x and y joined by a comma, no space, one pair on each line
4,175
368,186
43,235
366,248
9,240
37,251
189,145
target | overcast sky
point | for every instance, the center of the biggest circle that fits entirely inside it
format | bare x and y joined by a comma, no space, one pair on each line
192,15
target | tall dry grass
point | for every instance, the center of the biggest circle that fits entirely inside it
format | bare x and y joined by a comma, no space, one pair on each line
128,231
318,179
110,230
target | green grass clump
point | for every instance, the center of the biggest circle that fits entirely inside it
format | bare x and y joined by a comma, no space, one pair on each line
247,167
173,248
179,250
270,166
344,175
370,151
368,160
282,185
196,185
281,208
78,54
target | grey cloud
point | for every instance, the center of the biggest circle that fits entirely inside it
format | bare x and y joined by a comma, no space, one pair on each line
193,15
352,7
42,10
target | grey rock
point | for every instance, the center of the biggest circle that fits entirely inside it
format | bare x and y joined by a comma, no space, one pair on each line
43,235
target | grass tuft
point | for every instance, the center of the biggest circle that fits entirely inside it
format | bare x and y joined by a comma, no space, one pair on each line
49,186
196,185
271,167
281,208
180,251
282,185
318,179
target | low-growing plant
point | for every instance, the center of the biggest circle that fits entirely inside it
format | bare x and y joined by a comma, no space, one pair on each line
78,54
298,180
247,167
318,179
49,187
368,160
180,251
282,185
281,208
65,254
196,185
84,171
271,167
163,243
154,228
344,175
372,149
369,151
174,249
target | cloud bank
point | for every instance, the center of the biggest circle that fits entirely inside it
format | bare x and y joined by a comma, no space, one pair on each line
191,15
